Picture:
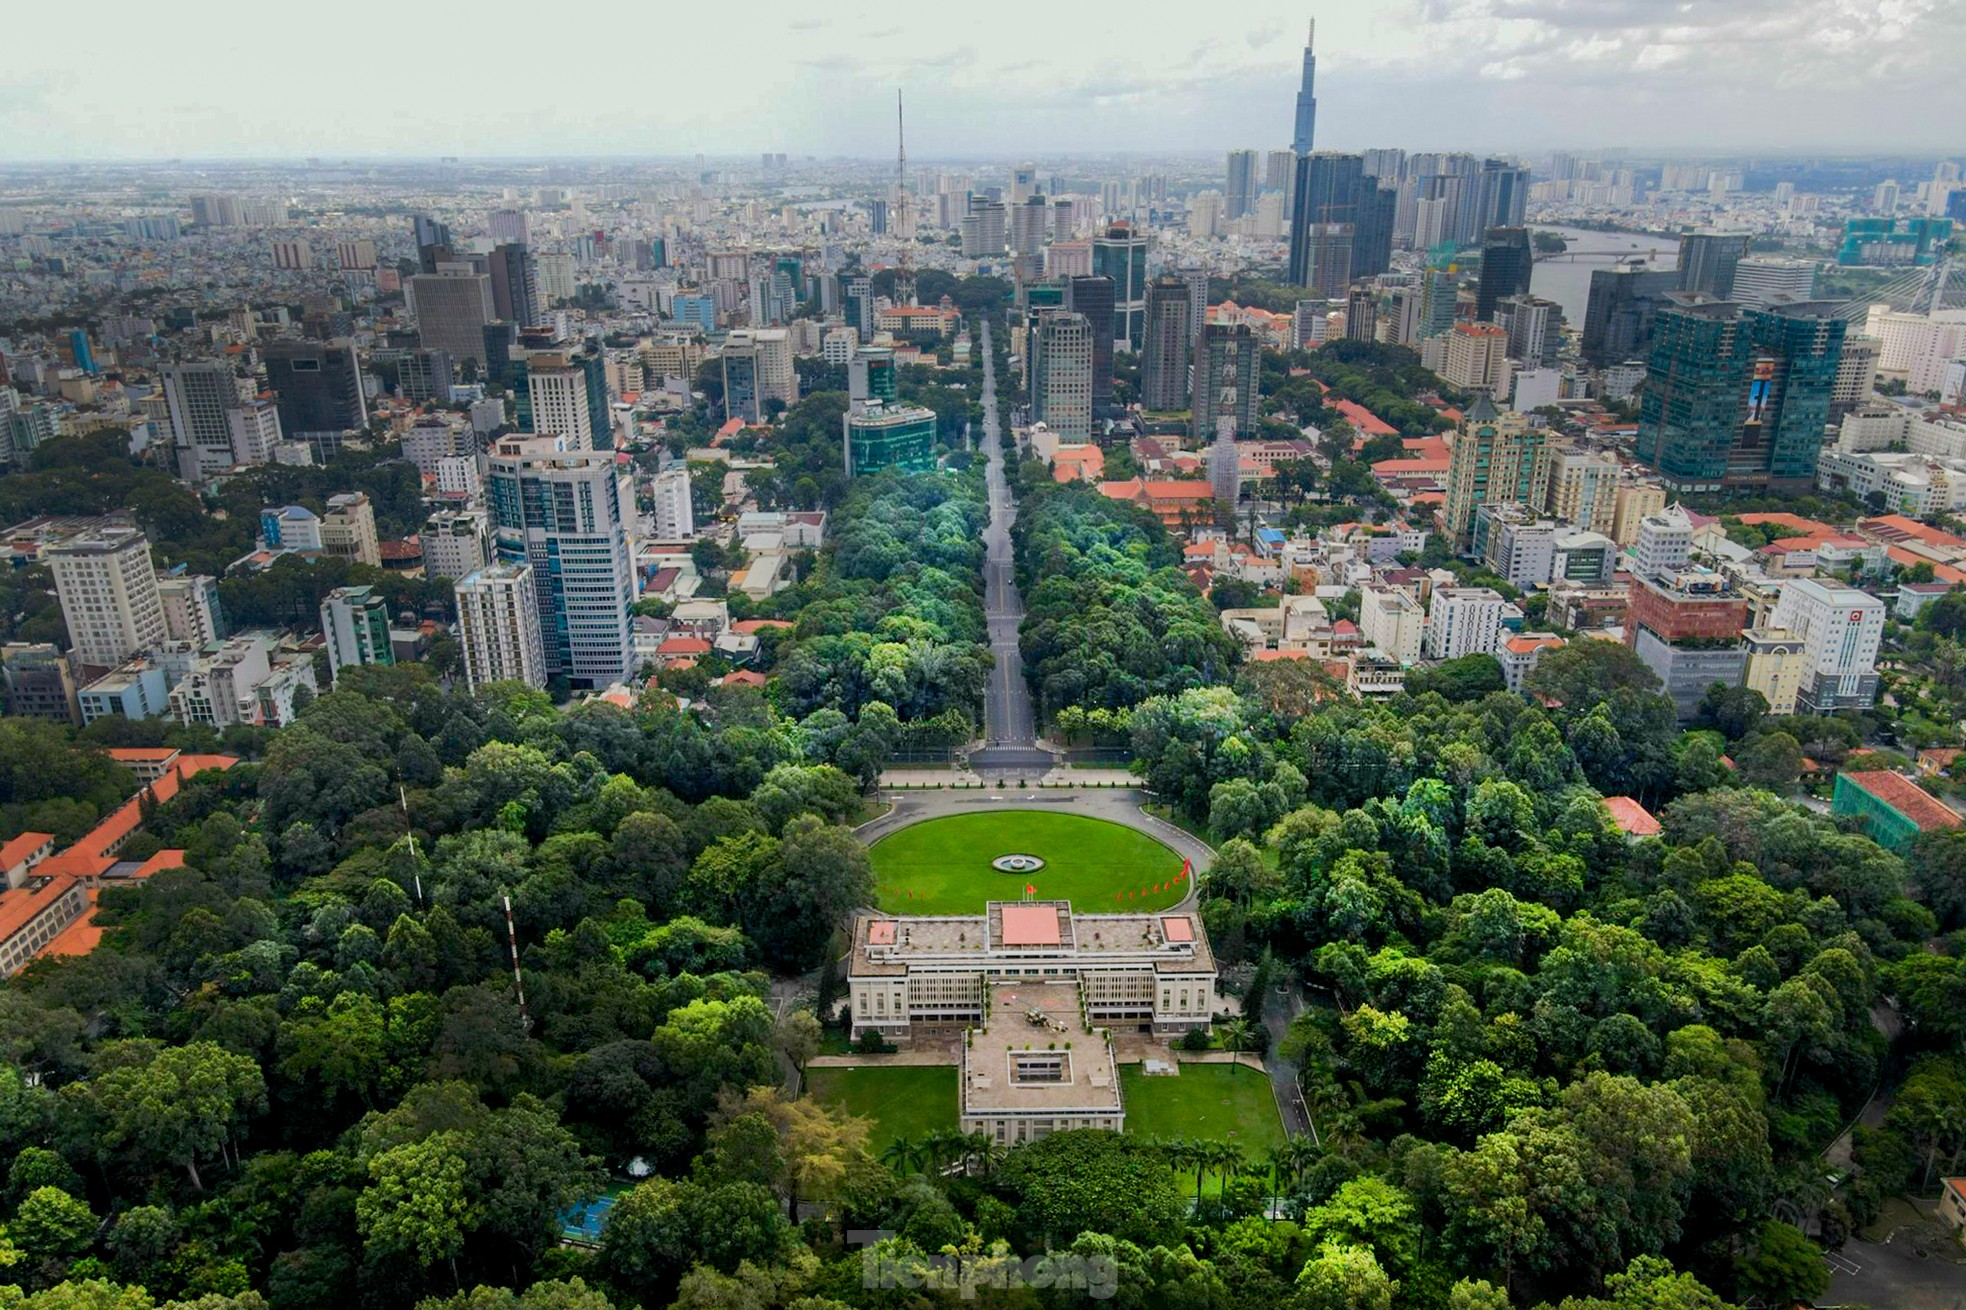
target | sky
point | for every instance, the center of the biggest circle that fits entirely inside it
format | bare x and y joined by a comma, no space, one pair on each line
364,78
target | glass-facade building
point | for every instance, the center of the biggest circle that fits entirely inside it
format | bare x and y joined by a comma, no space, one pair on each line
879,437
1739,400
1121,256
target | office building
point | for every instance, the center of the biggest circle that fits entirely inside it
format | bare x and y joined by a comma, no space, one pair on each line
136,690
1361,314
191,608
1061,374
456,543
1535,328
1635,501
1463,621
1331,192
1664,544
1227,379
1708,260
1686,626
1121,256
1501,197
508,227
514,284
1092,297
39,682
675,514
1497,458
870,375
1765,279
757,370
560,511
499,628
857,305
1623,307
1841,629
1030,224
316,384
1239,195
425,377
1506,263
355,629
200,396
1856,376
433,242
452,307
348,529
255,429
356,256
557,283
984,228
883,435
1893,242
1303,135
1739,400
108,593
1168,349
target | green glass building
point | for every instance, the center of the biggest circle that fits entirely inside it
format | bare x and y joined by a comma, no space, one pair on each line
880,437
1738,400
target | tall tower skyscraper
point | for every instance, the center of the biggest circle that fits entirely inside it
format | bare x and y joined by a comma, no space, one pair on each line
1169,346
1227,377
1240,192
1306,128
1506,263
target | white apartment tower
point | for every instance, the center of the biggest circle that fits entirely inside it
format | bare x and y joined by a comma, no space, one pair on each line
559,403
675,518
1391,621
108,592
1464,621
498,622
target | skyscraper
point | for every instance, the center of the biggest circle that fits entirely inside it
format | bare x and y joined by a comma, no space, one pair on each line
1061,374
1739,399
557,387
355,628
1506,263
316,384
433,242
1227,379
452,307
1502,193
1280,175
1093,297
1029,224
1240,192
758,369
1707,260
1332,189
201,396
1305,129
560,511
1169,346
514,284
1121,254
1624,304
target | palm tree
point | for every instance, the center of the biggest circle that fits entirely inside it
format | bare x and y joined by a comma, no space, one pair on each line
1235,1038
1229,1160
942,1147
900,1153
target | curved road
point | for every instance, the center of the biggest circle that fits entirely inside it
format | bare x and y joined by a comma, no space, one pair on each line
1009,724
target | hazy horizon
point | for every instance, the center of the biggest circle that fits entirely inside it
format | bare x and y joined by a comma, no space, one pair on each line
213,85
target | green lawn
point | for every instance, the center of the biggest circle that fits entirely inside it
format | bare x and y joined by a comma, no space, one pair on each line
902,1100
1207,1102
942,866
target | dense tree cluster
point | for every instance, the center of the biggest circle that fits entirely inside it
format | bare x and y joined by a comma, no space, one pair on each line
1383,378
1110,618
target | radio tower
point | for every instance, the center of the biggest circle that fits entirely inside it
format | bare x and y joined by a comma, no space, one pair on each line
903,211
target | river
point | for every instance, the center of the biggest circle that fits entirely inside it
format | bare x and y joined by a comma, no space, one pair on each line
1568,281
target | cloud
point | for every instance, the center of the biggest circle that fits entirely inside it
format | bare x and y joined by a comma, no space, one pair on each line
1264,33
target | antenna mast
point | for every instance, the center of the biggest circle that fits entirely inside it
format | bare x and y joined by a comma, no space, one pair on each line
902,221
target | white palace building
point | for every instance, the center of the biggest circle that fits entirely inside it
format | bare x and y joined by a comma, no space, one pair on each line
1035,992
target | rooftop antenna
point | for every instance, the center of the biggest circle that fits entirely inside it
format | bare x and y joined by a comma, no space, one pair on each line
903,219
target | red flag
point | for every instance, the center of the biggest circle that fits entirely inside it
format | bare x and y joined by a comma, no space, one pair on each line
1029,890
1187,867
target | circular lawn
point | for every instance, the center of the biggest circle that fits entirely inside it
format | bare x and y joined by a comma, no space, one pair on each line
942,866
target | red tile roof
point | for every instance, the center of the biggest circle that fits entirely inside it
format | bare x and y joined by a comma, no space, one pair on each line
1629,815
16,849
1906,797
683,646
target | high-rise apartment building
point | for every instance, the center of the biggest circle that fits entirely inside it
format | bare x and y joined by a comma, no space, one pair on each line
1030,224
1463,621
1506,263
508,227
108,593
1535,328
255,429
1391,621
675,515
1478,358
561,399
1227,380
1169,346
1708,261
560,511
1739,399
1061,374
1501,195
316,384
757,369
1497,458
1240,193
984,228
1121,256
1584,489
514,284
355,629
452,307
498,624
1765,279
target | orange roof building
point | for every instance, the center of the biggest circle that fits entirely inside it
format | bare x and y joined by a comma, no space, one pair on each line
1631,817
1171,500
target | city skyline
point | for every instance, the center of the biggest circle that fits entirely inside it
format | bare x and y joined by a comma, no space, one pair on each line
1476,74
